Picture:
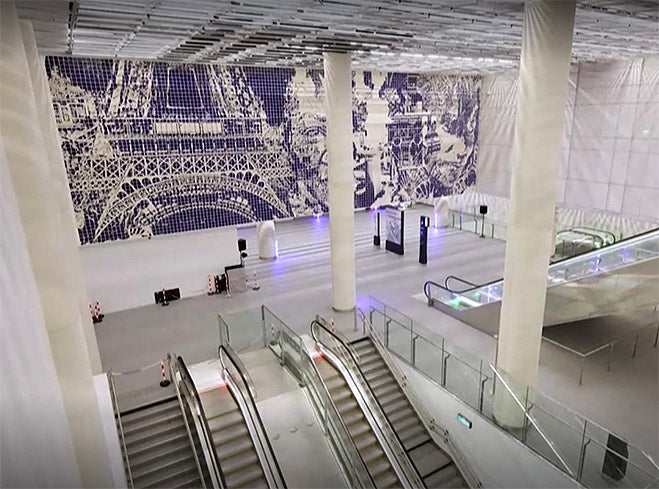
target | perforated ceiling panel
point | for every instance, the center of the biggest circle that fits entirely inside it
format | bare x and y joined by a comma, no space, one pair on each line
405,35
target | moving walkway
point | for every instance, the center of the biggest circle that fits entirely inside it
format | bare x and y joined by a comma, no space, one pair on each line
189,439
395,444
603,281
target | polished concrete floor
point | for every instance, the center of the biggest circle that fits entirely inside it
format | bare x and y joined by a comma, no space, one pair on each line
296,286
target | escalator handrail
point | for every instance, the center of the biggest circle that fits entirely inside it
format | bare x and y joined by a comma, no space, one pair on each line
453,277
122,436
338,415
225,350
584,233
319,324
603,231
428,283
187,378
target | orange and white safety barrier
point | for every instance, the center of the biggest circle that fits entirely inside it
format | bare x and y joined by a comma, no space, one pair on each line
164,298
255,285
164,382
228,287
211,289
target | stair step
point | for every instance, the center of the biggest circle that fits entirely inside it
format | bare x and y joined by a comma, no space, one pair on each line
150,411
235,446
136,443
388,479
428,458
169,477
224,437
190,482
155,426
162,464
239,462
168,447
225,420
445,478
247,477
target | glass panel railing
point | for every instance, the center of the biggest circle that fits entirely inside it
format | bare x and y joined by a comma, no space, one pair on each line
260,328
606,259
582,449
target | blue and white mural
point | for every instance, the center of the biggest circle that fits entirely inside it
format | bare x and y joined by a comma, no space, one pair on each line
158,148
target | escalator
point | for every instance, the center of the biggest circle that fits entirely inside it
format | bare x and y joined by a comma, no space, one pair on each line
245,455
609,280
378,465
395,444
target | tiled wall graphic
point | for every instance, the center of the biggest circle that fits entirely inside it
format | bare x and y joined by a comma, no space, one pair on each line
157,148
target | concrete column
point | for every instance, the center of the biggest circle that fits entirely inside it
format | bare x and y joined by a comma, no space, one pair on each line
52,255
543,83
338,107
60,186
266,237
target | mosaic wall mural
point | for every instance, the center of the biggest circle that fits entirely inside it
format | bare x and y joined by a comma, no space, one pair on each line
158,148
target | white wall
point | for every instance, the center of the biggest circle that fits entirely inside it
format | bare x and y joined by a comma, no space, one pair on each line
125,274
497,458
610,150
36,449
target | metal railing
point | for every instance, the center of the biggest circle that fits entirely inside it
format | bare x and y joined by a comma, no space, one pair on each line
390,440
122,436
289,347
185,384
572,443
180,398
237,381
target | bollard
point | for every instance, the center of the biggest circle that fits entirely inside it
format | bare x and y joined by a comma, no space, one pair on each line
164,382
256,285
210,290
228,287
97,312
92,313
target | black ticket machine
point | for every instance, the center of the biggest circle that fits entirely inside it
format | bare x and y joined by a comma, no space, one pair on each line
423,239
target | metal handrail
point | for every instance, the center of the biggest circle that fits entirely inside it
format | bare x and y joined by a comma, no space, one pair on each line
381,415
122,436
187,379
453,277
604,231
338,415
253,412
186,423
416,403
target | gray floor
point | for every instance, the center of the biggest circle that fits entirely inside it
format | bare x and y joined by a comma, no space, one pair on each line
296,286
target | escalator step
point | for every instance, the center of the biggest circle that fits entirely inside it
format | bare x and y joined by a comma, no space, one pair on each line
428,458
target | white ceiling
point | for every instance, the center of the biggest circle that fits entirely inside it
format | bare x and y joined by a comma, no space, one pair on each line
408,35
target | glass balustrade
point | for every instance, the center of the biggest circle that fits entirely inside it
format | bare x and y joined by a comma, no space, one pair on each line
571,442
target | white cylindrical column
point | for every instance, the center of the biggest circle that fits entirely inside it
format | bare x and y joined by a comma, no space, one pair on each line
543,83
52,255
265,235
338,107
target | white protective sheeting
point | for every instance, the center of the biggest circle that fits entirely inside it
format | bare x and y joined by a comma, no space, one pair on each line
543,83
35,442
610,147
52,255
338,107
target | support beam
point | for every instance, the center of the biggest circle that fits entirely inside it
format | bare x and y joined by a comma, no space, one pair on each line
543,83
338,107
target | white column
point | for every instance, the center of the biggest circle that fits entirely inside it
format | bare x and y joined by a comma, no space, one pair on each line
60,186
543,83
338,107
52,255
266,237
